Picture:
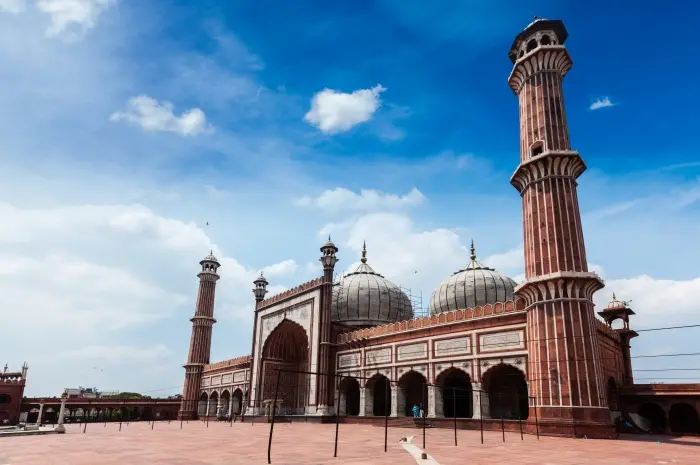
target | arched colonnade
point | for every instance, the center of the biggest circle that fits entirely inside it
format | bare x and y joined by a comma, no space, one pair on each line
226,403
503,393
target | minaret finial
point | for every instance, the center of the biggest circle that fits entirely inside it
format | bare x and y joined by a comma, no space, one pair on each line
614,298
472,251
364,252
329,238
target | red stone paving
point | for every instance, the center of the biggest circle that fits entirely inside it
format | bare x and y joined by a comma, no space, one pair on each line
297,443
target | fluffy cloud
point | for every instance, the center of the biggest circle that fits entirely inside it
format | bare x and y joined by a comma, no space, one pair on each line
333,111
152,115
13,6
70,19
601,102
341,198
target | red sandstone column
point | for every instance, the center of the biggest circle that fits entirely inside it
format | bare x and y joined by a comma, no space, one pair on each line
200,342
565,369
324,393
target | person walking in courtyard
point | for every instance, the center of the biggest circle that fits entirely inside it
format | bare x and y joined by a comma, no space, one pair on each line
416,411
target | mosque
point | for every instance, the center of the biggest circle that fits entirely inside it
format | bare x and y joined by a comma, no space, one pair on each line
490,348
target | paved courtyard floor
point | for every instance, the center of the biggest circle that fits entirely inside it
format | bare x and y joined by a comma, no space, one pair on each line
243,443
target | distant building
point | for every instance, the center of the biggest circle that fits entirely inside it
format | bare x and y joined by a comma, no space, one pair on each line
12,384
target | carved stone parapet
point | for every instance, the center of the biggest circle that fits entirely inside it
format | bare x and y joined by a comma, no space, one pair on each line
550,164
544,58
562,285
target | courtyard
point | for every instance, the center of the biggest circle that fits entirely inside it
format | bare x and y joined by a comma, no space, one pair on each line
245,443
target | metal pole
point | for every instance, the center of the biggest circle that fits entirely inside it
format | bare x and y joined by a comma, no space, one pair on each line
88,417
537,424
425,405
121,414
454,410
153,415
386,411
481,415
272,423
337,414
520,418
503,430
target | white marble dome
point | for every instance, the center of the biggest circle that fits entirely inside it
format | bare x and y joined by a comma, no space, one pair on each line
364,298
474,285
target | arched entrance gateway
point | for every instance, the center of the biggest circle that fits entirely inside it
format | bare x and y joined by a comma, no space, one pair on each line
656,416
683,418
413,390
456,389
202,407
225,402
349,391
237,402
380,402
507,392
286,348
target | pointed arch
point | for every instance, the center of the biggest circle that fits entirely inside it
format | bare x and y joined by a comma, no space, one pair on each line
349,396
506,387
456,389
413,391
237,401
380,390
202,407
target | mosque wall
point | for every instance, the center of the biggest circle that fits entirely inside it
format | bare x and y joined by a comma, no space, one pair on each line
611,353
472,345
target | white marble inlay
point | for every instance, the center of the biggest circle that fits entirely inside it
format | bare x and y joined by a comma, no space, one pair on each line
349,360
459,345
412,351
501,341
378,356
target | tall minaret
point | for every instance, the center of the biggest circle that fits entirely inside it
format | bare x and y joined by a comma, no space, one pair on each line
200,343
259,291
565,371
325,387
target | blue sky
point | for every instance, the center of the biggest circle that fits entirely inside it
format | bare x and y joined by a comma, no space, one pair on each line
126,126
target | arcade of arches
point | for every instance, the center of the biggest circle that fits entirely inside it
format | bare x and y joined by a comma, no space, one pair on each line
286,348
503,394
682,418
220,405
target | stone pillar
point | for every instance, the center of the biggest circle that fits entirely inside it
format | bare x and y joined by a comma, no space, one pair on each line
363,401
60,428
218,406
342,400
480,402
435,409
206,412
41,412
395,395
230,406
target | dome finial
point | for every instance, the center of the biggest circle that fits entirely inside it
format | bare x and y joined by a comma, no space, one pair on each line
364,252
472,251
614,298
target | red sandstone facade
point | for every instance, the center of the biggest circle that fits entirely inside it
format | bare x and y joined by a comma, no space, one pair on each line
541,355
11,391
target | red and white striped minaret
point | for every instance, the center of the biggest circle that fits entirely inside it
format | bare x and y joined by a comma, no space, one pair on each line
565,377
325,382
200,342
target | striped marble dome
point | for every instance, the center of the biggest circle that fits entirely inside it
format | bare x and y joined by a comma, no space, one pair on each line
476,284
364,298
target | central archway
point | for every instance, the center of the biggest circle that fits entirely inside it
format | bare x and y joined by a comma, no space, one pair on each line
286,348
349,390
456,389
413,390
683,418
507,391
380,389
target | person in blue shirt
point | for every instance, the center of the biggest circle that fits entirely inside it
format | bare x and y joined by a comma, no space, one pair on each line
416,411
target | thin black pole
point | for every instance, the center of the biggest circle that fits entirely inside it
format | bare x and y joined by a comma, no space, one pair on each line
481,414
425,405
272,423
537,424
85,427
153,414
454,410
520,418
337,414
386,411
121,414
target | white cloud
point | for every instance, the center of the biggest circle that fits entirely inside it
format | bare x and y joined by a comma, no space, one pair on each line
152,115
282,268
333,111
65,14
13,6
341,198
601,102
